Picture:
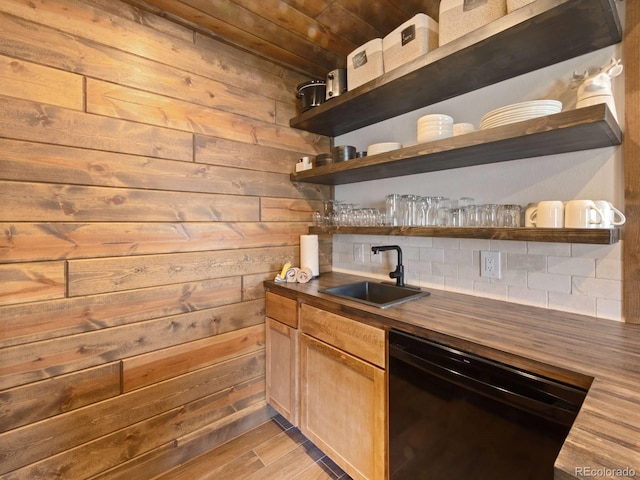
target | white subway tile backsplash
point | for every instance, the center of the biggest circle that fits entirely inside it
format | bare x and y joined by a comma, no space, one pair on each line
460,257
577,278
609,309
549,248
527,262
611,269
572,303
432,255
444,269
527,296
446,243
515,278
597,251
584,267
597,287
432,281
475,244
508,246
490,290
549,282
458,285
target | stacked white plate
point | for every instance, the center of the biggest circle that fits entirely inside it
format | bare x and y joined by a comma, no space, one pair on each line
433,127
377,148
519,112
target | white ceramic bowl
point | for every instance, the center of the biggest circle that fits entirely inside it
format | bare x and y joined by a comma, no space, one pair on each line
430,137
383,147
435,117
462,128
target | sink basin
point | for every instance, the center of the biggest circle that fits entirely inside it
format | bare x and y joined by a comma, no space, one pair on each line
379,295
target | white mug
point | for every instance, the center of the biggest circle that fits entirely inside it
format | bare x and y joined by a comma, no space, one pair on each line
581,214
609,213
548,214
527,214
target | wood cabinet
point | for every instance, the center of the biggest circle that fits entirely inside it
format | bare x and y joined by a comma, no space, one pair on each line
343,391
282,356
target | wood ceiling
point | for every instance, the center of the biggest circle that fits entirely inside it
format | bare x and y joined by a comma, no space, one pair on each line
311,36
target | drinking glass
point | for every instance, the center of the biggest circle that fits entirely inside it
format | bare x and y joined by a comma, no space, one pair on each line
391,203
491,215
456,217
443,211
509,216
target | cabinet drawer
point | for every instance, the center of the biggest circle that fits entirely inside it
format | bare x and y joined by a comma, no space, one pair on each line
282,309
358,339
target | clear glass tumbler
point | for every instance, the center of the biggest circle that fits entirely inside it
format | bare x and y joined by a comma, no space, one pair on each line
509,216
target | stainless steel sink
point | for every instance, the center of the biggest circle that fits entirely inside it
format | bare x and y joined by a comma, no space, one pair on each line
381,295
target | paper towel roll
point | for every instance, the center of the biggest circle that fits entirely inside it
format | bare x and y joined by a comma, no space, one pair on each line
309,256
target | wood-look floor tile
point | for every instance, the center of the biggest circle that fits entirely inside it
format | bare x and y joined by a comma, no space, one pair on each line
317,471
203,468
279,445
274,450
289,466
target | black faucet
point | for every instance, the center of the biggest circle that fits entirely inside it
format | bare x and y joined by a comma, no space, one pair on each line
398,273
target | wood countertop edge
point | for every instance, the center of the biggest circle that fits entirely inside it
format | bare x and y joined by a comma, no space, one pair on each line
601,355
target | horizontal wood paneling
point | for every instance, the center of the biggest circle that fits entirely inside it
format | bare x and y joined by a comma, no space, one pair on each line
35,401
39,122
87,277
39,241
59,203
158,431
27,80
123,102
26,363
30,282
22,446
175,453
27,161
143,17
139,106
135,158
33,322
154,367
277,209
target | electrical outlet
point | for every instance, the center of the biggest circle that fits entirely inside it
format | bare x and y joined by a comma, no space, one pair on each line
358,252
490,264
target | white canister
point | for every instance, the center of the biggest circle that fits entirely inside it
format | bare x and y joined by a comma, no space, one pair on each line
581,214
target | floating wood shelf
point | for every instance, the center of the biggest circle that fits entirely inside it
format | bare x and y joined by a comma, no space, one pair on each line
580,129
601,236
543,33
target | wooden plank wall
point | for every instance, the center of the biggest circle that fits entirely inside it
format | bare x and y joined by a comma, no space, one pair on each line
631,251
144,198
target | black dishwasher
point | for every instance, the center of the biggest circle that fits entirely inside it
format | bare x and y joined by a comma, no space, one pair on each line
455,415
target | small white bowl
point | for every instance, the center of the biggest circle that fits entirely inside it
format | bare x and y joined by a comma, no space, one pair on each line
383,147
462,128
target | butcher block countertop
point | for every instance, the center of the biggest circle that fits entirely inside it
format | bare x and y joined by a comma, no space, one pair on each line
601,355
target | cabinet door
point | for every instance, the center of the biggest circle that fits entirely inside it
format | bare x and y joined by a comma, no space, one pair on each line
343,408
282,369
